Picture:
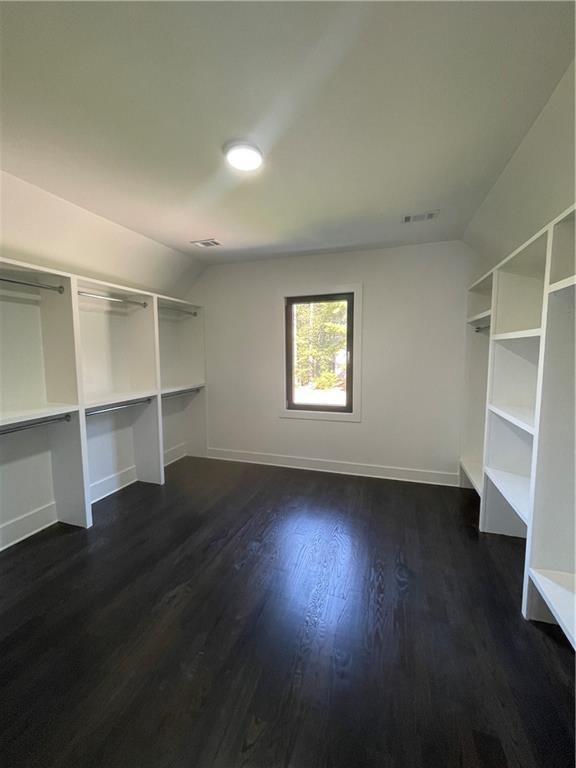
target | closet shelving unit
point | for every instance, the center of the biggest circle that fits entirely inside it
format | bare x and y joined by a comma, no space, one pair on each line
478,337
522,377
89,376
117,339
182,374
37,353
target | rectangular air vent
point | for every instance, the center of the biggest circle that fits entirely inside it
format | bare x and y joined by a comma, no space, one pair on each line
209,243
413,218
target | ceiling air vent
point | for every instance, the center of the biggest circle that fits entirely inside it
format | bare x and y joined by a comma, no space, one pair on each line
209,243
413,218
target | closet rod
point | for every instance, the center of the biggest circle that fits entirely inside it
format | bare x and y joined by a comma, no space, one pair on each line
32,424
181,392
107,409
182,311
112,298
57,288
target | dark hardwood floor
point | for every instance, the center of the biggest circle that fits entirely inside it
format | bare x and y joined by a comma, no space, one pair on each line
265,617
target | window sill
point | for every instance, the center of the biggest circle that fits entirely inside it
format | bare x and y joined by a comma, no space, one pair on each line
355,416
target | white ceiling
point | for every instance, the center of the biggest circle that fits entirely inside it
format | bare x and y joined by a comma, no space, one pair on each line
365,112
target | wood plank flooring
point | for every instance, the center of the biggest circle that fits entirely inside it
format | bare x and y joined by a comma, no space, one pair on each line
247,616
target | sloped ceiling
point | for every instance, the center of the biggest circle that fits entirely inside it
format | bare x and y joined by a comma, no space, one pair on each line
365,112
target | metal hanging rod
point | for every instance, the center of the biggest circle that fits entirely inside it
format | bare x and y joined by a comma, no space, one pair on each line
112,298
45,286
181,311
181,392
33,424
107,409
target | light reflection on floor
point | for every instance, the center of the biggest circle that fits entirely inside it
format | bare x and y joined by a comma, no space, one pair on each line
319,566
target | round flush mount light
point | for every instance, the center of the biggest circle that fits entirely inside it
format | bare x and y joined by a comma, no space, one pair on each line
243,156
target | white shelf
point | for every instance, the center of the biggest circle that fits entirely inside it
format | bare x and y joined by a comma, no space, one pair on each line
562,285
529,333
520,416
119,397
563,262
483,283
183,387
473,470
515,489
480,320
23,415
558,590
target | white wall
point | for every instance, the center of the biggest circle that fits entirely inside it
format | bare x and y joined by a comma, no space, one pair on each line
413,361
40,228
535,186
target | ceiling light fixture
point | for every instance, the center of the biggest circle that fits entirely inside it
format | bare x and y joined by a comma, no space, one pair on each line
243,156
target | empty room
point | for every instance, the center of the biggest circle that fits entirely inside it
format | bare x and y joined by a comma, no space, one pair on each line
287,384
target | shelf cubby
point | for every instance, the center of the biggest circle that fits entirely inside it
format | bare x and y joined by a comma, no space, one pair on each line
563,265
472,448
508,468
551,574
480,297
41,478
117,339
520,289
478,320
183,423
123,446
37,353
181,342
514,379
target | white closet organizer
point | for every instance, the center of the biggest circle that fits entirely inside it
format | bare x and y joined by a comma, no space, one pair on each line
117,340
521,387
84,365
181,345
477,348
37,353
124,445
182,373
183,424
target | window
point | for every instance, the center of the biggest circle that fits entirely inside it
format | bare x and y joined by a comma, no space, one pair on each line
319,352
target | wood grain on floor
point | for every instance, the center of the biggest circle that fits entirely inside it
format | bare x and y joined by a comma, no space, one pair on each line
244,616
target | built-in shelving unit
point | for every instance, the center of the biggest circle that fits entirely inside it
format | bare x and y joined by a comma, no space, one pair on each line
181,345
563,266
183,422
550,562
124,445
525,366
477,348
90,373
182,375
117,342
37,354
520,288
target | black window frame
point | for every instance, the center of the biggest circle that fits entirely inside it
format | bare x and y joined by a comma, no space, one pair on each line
290,301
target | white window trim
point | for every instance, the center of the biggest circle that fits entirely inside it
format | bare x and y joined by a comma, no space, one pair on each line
311,290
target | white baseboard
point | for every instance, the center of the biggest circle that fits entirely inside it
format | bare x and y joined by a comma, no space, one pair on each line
430,476
102,488
26,525
175,453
